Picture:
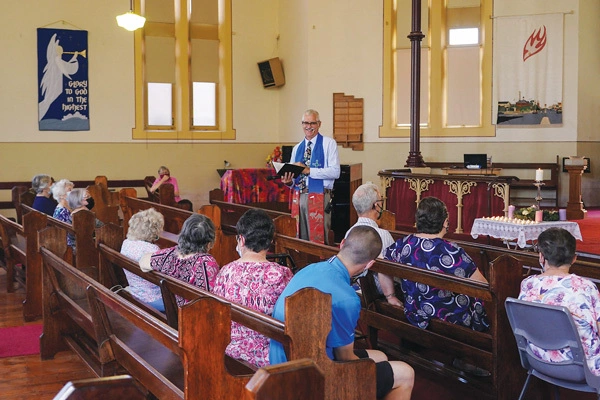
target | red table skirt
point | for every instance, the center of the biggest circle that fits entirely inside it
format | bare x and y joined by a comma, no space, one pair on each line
481,202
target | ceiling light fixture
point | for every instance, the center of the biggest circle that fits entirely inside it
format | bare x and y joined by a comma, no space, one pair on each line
130,20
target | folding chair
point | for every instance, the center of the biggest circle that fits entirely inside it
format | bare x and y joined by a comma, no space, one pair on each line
551,328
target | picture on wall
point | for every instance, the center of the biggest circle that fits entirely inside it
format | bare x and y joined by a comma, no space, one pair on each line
63,91
528,70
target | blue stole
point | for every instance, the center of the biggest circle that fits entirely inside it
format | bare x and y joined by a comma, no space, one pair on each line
317,160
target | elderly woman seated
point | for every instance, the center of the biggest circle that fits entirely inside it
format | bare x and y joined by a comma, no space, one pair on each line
144,228
558,287
254,282
59,192
42,184
189,261
427,249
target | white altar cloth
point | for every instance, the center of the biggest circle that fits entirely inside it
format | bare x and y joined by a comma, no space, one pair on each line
514,230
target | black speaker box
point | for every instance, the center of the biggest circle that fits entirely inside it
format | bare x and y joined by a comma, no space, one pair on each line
271,72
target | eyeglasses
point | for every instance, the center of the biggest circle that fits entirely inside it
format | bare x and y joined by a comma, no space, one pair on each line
311,123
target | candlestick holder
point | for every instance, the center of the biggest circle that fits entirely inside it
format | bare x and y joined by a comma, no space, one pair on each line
538,197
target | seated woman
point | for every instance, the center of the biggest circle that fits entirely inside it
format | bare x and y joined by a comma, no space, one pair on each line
254,282
427,249
189,261
144,227
59,192
164,176
76,201
42,185
557,287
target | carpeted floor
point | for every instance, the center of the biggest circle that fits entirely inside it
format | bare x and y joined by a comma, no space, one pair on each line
20,340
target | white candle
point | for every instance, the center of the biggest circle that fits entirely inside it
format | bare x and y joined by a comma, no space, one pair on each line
539,175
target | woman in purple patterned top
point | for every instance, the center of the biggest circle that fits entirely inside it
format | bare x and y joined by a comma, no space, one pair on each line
189,261
254,282
427,250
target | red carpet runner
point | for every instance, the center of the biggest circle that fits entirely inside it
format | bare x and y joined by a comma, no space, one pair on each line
20,340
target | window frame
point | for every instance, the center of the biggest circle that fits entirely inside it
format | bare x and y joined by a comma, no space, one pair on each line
436,34
183,31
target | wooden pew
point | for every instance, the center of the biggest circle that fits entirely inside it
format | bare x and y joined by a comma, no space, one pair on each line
271,383
231,212
493,350
187,362
113,387
225,242
106,202
23,263
303,334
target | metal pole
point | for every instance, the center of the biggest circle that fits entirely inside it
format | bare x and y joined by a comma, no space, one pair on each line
414,156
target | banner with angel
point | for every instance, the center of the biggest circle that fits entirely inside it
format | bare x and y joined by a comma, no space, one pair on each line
528,70
63,91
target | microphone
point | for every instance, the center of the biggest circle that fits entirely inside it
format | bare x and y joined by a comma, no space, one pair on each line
272,177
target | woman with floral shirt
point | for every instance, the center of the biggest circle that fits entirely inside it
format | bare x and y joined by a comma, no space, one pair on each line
254,282
556,286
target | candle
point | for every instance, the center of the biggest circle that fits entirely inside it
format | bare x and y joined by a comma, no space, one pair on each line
539,175
539,216
562,214
511,212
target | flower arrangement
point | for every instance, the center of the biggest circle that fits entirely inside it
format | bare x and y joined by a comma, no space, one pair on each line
274,156
528,213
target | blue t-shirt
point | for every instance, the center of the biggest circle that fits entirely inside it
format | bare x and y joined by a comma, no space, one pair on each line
329,277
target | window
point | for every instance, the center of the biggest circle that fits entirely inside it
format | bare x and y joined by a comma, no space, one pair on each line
456,71
183,70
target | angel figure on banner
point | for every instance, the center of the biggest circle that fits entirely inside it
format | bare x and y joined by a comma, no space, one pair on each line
52,82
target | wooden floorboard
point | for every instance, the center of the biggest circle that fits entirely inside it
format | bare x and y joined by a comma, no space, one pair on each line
28,377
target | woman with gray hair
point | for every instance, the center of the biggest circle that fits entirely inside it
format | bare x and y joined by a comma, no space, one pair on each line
189,261
144,228
59,192
42,185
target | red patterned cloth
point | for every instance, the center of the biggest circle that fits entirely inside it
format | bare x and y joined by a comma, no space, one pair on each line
243,186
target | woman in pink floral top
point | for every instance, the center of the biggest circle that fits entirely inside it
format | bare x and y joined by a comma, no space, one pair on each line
189,261
556,286
254,282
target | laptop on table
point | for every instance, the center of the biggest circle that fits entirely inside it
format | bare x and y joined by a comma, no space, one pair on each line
475,161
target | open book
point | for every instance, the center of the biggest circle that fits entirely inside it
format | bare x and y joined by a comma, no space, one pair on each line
282,168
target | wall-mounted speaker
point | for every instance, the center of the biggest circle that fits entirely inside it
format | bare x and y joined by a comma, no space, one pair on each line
271,72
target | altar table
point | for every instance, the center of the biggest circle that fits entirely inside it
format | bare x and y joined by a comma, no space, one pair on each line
522,233
244,186
466,197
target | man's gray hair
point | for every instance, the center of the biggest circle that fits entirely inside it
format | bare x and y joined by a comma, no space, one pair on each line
364,197
310,111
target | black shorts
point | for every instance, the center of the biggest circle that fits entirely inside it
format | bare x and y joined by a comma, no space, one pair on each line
385,374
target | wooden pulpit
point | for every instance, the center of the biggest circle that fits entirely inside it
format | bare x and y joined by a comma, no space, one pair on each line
575,208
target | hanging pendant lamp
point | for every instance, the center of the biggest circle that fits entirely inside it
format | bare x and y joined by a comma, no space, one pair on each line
130,20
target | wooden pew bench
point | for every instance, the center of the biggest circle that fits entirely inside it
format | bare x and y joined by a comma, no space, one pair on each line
231,212
187,363
303,335
494,350
224,247
22,262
